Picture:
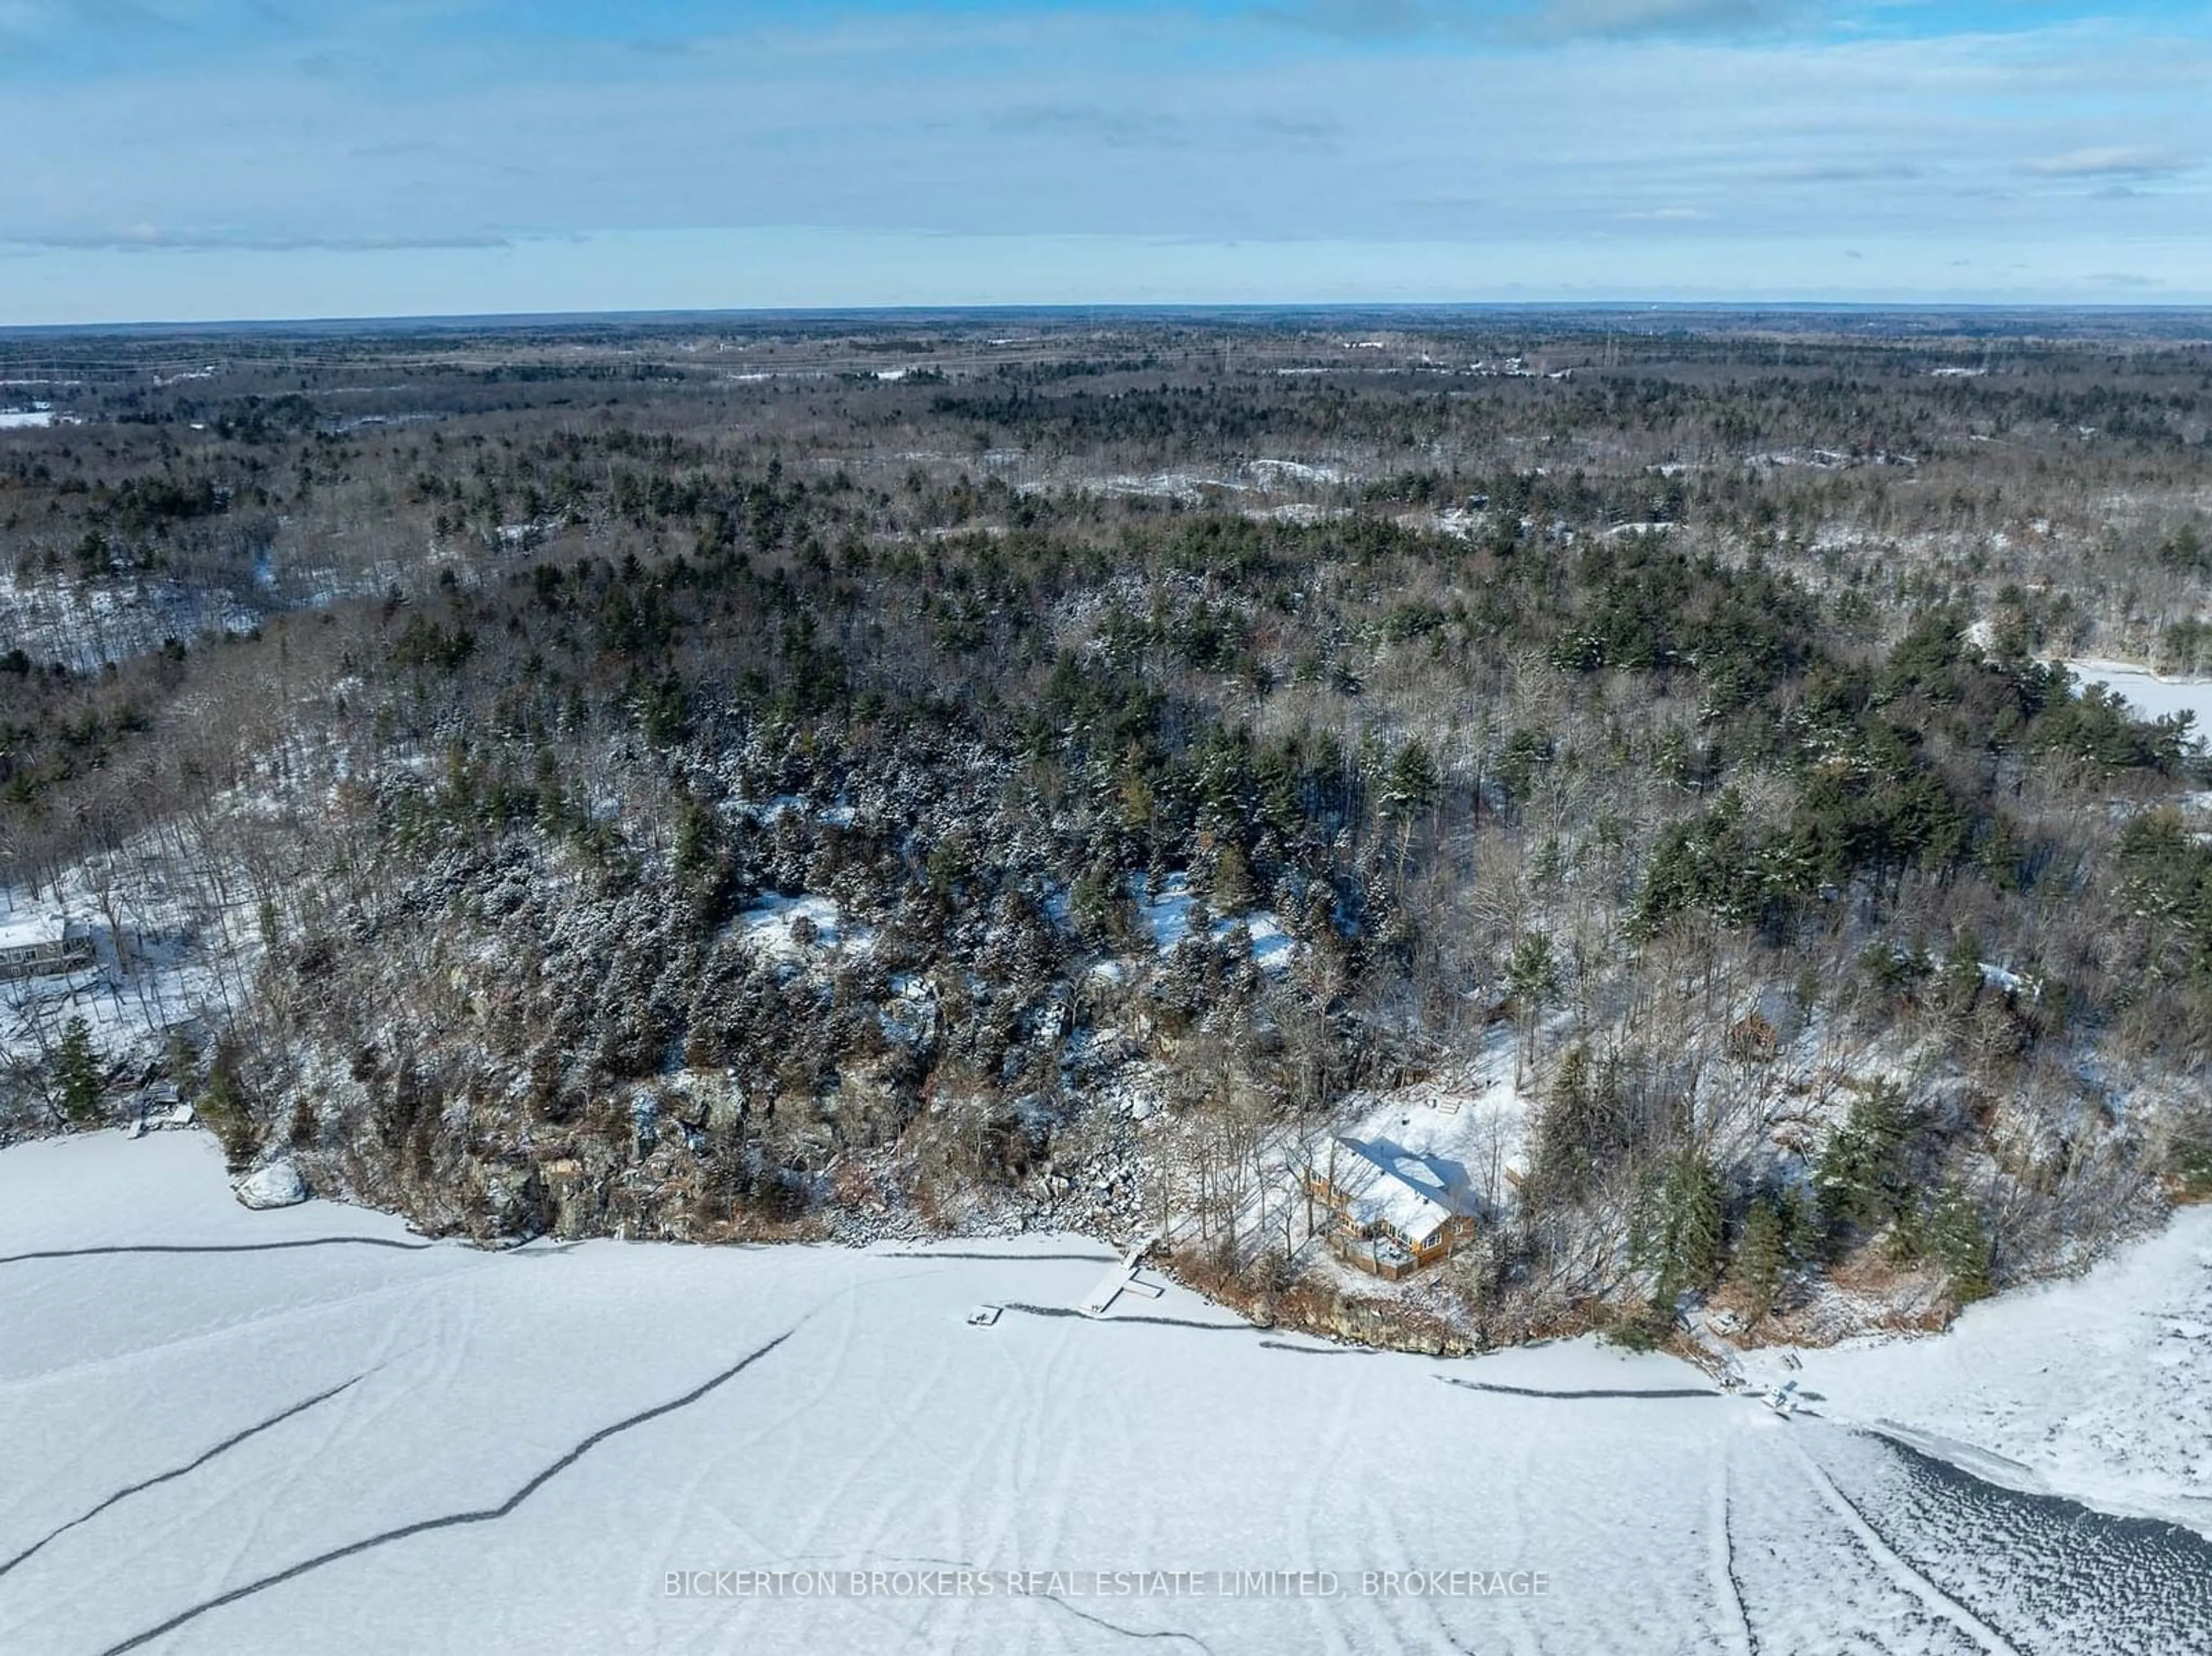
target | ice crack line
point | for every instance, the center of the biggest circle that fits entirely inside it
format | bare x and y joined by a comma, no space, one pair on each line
1727,1588
1532,1391
1127,1633
452,1520
999,1258
1164,1322
229,1443
216,1247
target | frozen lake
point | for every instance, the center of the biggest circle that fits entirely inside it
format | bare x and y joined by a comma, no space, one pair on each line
230,1432
2150,695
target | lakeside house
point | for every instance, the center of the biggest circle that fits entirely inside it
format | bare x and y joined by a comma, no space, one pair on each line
1391,1211
38,946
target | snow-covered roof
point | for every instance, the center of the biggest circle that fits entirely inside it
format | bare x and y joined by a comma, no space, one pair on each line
1468,1123
37,929
1380,1183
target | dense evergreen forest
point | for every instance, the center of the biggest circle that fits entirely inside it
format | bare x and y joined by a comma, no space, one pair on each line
784,778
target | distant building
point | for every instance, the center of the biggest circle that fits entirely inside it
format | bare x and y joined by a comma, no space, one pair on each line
39,945
1752,1039
1391,1211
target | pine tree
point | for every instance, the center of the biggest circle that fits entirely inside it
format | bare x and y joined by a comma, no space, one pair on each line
1233,888
1532,976
76,1072
1961,978
1410,783
1134,793
1565,1135
1681,1233
1800,1224
1863,1173
1761,1257
699,848
1276,780
221,1105
1952,1234
1532,980
183,1063
553,813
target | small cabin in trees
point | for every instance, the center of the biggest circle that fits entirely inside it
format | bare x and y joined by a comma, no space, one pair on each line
1752,1039
1391,1211
40,944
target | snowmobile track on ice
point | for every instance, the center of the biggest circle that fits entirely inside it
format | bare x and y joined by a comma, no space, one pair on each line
1895,1567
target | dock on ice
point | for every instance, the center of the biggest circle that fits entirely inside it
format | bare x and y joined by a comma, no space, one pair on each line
1122,1279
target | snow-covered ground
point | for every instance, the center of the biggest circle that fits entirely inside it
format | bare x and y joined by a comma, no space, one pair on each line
787,804
1295,471
1166,917
85,624
800,928
1303,514
304,1430
1260,476
2149,694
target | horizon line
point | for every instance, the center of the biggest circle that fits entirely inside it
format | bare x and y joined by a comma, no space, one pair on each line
1223,309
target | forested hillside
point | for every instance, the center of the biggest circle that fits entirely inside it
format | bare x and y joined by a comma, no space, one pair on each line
718,781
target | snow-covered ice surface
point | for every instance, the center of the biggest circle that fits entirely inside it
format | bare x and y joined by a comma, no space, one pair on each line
2150,695
2100,1388
230,1433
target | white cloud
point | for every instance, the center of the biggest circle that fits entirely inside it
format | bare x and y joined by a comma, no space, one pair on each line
1530,22
172,238
1647,17
2114,161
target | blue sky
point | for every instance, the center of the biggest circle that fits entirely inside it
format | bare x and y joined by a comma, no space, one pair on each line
204,159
